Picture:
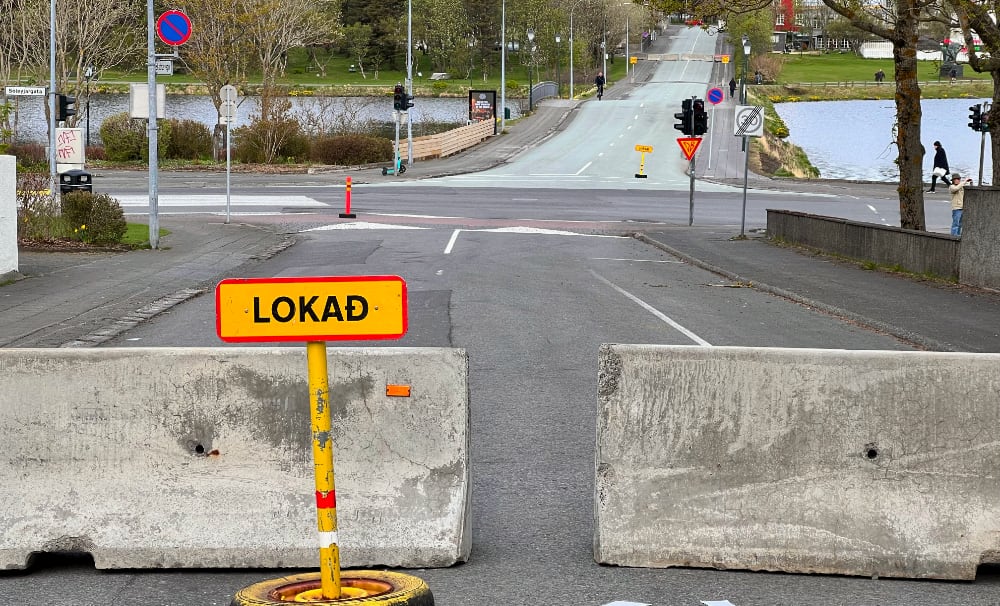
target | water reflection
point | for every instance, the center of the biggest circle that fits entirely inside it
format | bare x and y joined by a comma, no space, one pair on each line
853,139
312,110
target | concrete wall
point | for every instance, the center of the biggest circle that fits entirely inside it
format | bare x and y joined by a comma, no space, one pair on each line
798,460
8,217
915,251
203,457
980,264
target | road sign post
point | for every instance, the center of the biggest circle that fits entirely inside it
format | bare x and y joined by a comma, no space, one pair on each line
314,310
749,122
227,115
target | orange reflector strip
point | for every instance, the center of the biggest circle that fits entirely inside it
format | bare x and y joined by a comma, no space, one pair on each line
400,391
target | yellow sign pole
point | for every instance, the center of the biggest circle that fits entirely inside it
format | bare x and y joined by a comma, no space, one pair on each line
326,494
643,150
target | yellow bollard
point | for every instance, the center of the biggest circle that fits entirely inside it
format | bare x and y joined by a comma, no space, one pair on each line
326,494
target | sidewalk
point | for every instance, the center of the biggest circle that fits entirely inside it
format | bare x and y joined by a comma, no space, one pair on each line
72,299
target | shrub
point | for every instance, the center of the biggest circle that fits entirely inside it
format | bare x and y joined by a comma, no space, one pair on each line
189,140
268,141
96,218
351,149
37,213
29,155
125,139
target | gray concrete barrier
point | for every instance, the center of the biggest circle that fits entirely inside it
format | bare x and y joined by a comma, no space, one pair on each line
980,262
798,460
8,218
202,457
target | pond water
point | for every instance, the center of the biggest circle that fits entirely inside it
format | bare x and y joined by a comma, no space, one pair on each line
324,111
853,139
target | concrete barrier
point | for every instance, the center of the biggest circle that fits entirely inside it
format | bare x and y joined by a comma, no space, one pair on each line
980,262
798,460
202,457
915,251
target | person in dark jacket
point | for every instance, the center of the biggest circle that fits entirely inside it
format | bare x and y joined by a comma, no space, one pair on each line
940,162
732,87
599,81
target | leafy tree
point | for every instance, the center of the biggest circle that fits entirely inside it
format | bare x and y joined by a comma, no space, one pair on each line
358,39
978,17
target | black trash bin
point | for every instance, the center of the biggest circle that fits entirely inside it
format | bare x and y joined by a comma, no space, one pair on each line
75,180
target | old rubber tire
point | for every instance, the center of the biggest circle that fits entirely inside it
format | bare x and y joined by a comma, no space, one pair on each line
403,590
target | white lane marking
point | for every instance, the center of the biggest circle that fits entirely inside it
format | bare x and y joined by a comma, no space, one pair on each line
585,167
524,199
451,242
687,333
218,200
635,118
873,209
634,260
540,231
361,225
600,155
471,219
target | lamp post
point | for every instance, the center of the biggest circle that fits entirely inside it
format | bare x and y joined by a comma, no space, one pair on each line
531,57
88,76
746,147
503,65
558,63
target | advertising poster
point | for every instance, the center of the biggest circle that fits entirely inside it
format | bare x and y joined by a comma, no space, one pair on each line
483,106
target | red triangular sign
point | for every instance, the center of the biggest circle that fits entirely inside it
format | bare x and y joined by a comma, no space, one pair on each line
689,145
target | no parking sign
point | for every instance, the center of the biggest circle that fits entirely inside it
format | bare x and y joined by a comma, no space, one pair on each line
173,28
715,96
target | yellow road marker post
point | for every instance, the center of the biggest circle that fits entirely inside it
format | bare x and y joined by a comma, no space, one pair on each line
643,150
316,310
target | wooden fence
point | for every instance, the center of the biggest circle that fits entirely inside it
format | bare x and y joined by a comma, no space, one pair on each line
448,143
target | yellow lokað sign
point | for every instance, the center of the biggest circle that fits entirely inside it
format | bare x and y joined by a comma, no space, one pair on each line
633,60
646,149
324,308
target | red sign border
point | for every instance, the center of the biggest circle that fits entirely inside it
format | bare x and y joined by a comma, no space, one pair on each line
693,151
300,279
170,13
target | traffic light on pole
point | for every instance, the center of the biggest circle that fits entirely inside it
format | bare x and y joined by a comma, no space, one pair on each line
64,107
408,101
398,98
685,117
700,118
976,117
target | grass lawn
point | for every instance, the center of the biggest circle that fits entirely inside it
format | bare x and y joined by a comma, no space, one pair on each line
137,235
848,67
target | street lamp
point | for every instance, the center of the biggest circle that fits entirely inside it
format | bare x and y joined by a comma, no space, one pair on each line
503,65
558,64
88,75
531,56
746,147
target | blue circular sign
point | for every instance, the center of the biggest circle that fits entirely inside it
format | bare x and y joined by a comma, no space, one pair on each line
715,96
173,28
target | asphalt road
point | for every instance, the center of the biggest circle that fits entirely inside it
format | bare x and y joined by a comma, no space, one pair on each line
530,281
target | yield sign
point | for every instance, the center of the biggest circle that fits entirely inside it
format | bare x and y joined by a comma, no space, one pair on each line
689,145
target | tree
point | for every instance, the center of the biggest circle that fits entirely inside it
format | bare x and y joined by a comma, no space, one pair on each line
358,38
899,23
975,17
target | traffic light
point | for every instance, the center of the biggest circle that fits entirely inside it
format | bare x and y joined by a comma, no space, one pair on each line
976,117
700,118
685,116
398,98
986,121
407,101
64,107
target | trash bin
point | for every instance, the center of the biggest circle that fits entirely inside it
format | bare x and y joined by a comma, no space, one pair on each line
506,113
75,180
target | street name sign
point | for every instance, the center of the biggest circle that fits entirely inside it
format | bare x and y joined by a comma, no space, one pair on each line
323,308
24,91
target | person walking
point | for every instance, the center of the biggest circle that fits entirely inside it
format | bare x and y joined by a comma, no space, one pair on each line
599,81
957,190
879,76
732,87
940,169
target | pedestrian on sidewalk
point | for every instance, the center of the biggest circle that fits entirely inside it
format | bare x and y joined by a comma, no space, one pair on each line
940,169
732,87
599,82
957,190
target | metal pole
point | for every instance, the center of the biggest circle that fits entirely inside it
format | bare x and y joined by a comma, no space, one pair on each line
52,99
154,219
982,152
229,145
326,493
571,51
409,79
746,170
691,196
503,65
